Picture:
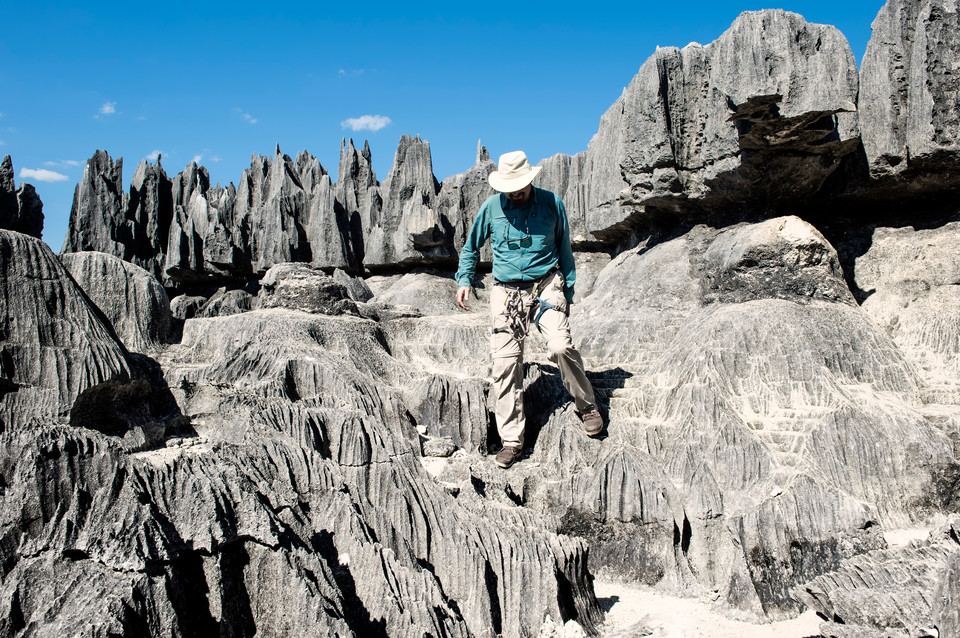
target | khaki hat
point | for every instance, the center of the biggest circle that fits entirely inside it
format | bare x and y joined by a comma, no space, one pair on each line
513,173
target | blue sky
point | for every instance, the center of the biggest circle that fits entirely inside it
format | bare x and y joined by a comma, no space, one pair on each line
223,81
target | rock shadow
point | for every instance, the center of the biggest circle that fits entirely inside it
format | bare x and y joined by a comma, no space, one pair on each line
544,395
140,409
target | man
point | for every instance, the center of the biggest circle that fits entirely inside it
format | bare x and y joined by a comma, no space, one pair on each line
534,274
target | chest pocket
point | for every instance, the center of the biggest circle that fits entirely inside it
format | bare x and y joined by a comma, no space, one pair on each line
508,227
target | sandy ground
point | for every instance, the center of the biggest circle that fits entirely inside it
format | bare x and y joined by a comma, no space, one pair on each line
634,611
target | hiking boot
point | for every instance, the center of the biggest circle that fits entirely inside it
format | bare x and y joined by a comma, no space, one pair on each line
508,455
592,423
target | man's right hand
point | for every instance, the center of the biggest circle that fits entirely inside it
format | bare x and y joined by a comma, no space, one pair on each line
463,293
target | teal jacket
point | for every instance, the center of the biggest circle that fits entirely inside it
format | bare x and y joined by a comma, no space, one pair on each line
527,242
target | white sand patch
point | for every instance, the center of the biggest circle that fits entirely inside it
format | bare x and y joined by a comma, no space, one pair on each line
636,611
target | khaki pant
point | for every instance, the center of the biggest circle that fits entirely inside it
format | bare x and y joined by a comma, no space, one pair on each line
508,358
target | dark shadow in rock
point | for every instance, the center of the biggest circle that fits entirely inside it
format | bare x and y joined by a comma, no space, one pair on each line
355,612
142,406
606,604
186,588
544,395
236,618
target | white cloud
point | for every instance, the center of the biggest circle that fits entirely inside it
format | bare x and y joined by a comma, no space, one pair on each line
108,108
2,142
366,122
42,175
154,154
249,118
345,72
197,158
63,163
214,158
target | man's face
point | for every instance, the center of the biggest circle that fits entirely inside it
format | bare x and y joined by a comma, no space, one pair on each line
520,197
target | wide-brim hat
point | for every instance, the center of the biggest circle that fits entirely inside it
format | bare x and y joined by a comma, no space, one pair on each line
513,172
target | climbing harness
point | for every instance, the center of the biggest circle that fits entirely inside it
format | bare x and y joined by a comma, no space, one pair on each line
519,312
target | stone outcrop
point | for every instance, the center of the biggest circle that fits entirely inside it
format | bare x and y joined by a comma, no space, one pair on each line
20,208
909,95
132,300
907,591
55,345
775,360
760,117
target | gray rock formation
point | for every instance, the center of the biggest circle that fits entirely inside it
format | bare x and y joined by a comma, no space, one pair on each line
20,208
186,306
911,277
227,302
407,228
774,400
304,288
97,217
132,300
760,117
905,591
54,344
909,95
356,287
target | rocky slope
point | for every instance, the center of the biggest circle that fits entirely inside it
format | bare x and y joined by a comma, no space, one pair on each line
767,307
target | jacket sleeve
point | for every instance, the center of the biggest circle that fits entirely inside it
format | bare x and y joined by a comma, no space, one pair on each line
568,267
470,253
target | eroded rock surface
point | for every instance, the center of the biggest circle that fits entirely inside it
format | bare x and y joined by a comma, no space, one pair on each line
133,301
54,343
909,94
772,405
900,592
20,208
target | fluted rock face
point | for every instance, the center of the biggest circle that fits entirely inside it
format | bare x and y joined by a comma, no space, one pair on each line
911,278
462,195
763,114
54,344
905,591
97,217
184,231
408,226
342,383
762,428
132,300
909,94
20,208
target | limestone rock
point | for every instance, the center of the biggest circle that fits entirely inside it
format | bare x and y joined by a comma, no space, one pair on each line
98,215
728,407
761,117
461,196
441,448
54,343
302,287
909,96
20,208
784,257
357,193
132,300
910,277
227,302
186,306
430,293
888,591
408,227
356,287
